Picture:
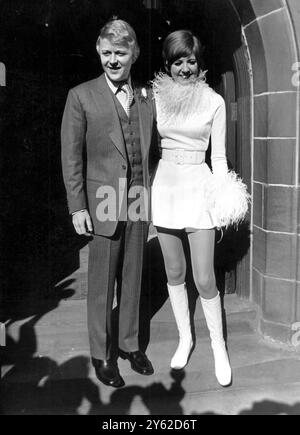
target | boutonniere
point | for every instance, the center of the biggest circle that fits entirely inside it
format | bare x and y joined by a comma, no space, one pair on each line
143,94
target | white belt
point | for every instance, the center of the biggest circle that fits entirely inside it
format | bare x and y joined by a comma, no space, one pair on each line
183,157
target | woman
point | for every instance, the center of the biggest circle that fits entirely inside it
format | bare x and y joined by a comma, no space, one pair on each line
185,192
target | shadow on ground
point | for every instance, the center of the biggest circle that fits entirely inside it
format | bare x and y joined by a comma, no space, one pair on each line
266,407
67,389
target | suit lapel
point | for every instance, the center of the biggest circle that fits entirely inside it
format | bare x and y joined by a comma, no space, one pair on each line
145,123
106,102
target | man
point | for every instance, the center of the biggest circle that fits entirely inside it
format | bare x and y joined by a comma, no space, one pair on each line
107,196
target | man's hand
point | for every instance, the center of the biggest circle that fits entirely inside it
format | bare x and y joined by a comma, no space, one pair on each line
82,223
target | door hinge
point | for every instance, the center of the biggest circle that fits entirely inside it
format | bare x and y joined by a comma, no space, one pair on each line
2,334
2,74
234,111
234,114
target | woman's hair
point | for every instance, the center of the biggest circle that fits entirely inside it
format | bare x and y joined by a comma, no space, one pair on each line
121,33
181,43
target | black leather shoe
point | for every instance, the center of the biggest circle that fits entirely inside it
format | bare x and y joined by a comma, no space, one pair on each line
139,362
108,373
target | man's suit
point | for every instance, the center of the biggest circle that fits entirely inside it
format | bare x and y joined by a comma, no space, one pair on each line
92,125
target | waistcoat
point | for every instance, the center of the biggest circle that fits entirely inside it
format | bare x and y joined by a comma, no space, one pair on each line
131,133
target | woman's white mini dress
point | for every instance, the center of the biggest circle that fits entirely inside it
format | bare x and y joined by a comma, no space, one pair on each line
187,117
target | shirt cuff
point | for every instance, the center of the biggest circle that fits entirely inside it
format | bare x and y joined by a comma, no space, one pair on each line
78,211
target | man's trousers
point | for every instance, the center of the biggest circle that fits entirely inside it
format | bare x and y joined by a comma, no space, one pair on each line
122,255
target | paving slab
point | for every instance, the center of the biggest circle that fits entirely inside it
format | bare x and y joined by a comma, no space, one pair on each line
46,369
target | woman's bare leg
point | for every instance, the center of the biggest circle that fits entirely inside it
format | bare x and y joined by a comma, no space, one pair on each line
175,265
202,244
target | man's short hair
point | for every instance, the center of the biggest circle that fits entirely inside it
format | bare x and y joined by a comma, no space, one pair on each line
120,32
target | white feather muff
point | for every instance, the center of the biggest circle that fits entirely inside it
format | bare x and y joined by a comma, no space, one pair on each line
228,199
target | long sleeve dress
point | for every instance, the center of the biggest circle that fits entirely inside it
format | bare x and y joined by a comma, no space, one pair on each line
188,116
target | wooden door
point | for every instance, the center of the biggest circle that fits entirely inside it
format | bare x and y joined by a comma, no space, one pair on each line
225,265
233,252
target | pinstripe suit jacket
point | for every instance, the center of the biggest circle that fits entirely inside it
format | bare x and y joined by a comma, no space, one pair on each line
91,127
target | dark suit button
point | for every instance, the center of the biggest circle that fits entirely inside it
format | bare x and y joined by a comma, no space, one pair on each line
124,167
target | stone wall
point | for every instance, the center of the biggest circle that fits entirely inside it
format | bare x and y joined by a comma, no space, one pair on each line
272,30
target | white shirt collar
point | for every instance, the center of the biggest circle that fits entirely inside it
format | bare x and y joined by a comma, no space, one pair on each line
113,87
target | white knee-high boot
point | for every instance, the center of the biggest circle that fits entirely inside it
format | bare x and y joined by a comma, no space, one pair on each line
213,315
180,306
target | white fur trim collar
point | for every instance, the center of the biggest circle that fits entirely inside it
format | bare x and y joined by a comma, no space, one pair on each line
175,100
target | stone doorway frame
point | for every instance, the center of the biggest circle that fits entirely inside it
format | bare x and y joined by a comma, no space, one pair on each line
272,35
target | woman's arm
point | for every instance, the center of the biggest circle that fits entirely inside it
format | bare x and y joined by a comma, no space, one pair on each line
218,139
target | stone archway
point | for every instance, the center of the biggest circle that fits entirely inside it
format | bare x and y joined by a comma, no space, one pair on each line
272,34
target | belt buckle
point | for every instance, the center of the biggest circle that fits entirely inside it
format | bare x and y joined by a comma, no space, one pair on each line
179,157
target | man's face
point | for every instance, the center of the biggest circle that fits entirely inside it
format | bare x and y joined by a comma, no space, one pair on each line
116,60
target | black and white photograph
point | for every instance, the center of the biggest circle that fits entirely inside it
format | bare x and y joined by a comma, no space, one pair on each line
150,210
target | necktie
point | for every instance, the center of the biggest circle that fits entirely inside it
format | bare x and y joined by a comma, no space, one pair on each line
129,96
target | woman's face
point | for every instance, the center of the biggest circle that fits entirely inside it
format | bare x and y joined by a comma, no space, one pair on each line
185,69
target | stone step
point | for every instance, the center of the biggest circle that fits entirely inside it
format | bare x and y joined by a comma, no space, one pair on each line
64,330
